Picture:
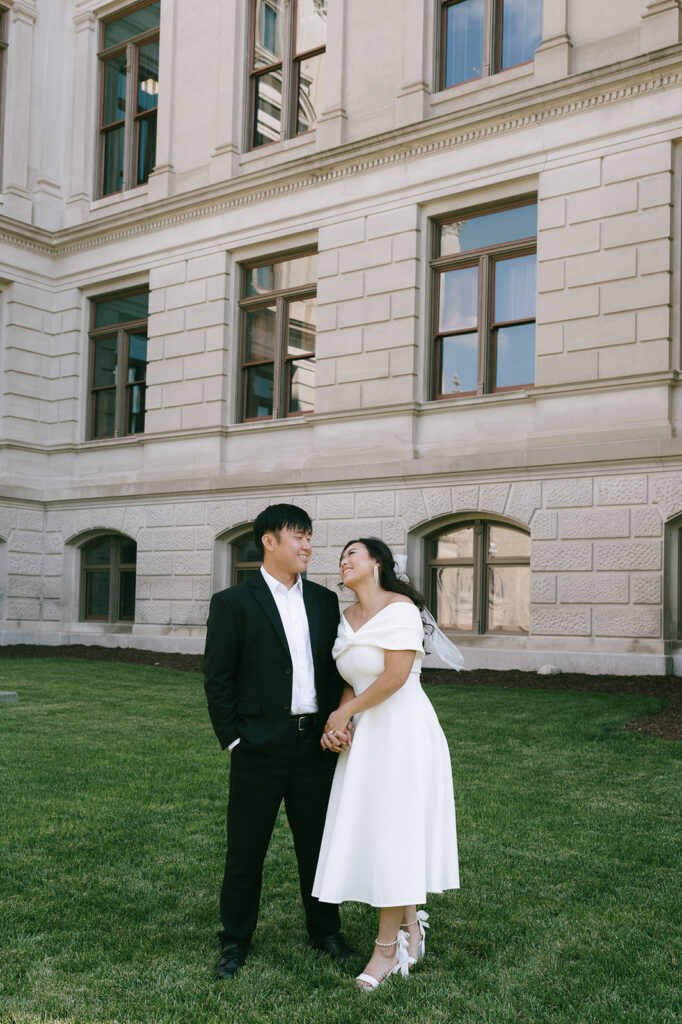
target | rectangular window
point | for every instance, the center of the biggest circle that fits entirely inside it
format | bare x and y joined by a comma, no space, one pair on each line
279,319
118,365
287,63
482,37
129,73
484,309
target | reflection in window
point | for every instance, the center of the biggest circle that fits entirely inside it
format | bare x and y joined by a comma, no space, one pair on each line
287,67
485,287
246,559
479,576
482,37
279,320
108,579
118,365
129,62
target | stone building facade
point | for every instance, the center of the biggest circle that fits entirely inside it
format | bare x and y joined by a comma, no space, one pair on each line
116,529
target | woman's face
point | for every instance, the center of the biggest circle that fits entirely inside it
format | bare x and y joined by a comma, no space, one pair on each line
356,564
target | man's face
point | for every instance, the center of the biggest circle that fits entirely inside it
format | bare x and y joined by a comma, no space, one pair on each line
288,551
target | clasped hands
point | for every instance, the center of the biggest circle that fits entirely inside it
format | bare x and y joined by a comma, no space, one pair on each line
337,733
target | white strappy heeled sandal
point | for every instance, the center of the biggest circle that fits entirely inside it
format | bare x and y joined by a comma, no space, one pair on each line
402,966
421,919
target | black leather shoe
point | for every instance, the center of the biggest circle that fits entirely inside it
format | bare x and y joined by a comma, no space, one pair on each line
232,958
334,946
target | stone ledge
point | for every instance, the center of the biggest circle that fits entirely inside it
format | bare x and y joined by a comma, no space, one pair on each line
8,697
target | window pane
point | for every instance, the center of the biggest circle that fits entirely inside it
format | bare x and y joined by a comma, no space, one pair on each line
135,421
515,288
246,551
126,602
508,598
506,543
455,597
104,370
458,300
294,273
489,229
301,385
97,594
242,575
121,309
137,357
98,552
310,90
463,41
268,30
258,402
112,171
261,340
132,24
114,90
147,77
302,320
104,415
268,108
456,544
515,356
146,147
521,30
459,364
311,24
128,551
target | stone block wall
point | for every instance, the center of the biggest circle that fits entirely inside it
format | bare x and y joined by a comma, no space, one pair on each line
604,267
189,350
368,305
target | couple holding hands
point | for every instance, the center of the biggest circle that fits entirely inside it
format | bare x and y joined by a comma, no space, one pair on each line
328,714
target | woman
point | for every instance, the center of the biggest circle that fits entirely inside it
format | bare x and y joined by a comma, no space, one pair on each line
390,834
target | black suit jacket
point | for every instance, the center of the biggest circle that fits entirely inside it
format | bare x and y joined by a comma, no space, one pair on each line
247,664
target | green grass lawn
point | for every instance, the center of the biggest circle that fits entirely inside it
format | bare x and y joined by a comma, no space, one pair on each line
112,800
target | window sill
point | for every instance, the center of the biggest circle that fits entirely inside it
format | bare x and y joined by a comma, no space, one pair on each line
131,197
104,628
275,153
466,401
491,87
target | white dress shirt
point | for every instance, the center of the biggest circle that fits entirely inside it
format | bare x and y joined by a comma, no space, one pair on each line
289,601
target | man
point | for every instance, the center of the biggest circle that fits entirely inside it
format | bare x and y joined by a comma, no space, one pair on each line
270,682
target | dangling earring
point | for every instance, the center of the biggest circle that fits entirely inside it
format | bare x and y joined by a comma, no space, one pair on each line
376,575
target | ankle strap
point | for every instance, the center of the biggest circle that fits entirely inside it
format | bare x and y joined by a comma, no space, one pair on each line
409,924
377,943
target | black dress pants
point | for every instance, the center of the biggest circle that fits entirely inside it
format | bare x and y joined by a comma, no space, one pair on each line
294,770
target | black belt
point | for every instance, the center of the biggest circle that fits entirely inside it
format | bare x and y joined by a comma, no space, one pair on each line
306,721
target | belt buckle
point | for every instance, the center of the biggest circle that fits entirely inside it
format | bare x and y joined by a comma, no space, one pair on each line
301,722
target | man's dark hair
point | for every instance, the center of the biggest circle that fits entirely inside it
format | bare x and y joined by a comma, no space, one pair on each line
275,517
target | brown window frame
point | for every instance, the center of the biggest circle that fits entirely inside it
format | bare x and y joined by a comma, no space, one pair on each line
241,566
485,259
491,57
290,66
130,48
280,298
123,387
480,561
115,568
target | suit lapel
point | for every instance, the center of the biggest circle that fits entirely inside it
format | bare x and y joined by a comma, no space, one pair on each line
262,593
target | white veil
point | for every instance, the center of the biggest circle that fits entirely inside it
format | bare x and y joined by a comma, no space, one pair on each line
440,652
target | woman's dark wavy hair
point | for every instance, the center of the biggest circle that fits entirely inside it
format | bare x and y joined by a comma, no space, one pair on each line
387,577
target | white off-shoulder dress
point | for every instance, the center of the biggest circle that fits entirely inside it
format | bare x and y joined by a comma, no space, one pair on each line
390,835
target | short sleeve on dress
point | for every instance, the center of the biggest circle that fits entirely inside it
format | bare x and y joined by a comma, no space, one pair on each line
398,627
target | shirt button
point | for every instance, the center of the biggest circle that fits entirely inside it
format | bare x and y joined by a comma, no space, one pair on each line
286,707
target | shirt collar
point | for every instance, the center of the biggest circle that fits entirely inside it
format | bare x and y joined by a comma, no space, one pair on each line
276,585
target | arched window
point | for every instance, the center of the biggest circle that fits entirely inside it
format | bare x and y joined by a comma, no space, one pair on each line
246,558
479,577
108,579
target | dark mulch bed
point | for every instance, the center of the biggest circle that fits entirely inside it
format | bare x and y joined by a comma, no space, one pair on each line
665,724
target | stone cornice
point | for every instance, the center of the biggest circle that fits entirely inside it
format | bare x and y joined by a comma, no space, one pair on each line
532,106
